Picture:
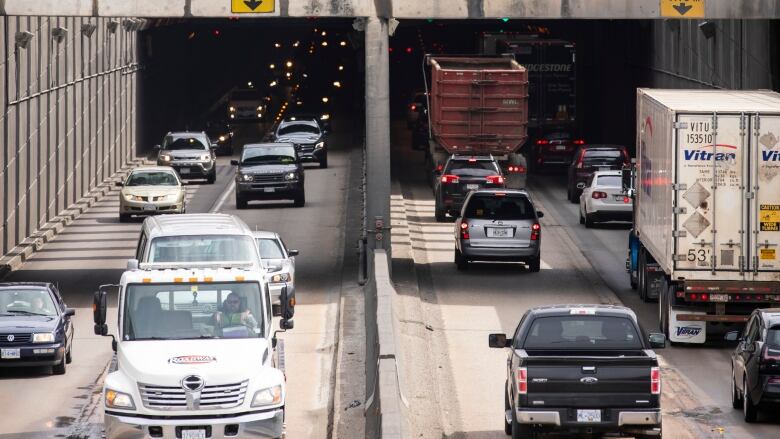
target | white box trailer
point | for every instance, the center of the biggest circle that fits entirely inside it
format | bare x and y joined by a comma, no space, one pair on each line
707,205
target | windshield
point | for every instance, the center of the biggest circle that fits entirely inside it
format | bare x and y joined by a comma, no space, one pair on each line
160,178
269,155
298,128
26,302
582,332
610,180
477,168
200,248
494,207
178,143
270,249
187,311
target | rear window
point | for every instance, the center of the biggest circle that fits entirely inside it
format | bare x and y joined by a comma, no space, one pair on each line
505,207
476,168
603,157
558,136
582,332
610,181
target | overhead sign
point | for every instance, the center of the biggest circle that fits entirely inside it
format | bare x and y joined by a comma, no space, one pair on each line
682,8
252,6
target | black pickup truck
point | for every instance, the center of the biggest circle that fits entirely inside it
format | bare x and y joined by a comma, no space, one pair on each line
582,369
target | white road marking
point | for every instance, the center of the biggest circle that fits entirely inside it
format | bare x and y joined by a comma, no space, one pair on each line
218,206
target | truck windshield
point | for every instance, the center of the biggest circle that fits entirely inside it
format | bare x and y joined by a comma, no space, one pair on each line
582,332
200,248
193,311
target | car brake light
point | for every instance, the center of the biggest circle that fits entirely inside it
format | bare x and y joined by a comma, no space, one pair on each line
542,142
522,380
598,194
655,381
464,230
626,199
495,179
449,178
536,229
439,167
579,142
413,107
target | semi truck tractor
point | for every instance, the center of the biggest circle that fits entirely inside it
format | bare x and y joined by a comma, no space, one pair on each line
477,106
706,207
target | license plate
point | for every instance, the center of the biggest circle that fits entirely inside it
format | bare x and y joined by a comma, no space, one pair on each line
588,415
560,147
497,233
150,207
193,434
270,189
719,297
604,168
184,170
472,187
10,354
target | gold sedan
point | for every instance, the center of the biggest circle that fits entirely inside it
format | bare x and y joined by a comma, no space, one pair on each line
151,190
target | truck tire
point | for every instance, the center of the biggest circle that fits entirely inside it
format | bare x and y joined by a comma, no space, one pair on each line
665,301
521,431
507,407
642,275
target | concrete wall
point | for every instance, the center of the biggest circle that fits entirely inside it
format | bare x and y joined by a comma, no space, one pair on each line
386,8
68,117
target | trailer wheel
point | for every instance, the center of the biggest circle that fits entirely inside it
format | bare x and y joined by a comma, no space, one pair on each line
642,275
665,301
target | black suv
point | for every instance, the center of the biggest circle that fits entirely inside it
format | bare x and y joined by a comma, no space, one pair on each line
191,154
269,171
755,363
308,137
461,175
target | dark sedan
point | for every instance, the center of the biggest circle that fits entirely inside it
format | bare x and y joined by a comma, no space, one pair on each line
308,138
755,363
589,159
269,171
36,328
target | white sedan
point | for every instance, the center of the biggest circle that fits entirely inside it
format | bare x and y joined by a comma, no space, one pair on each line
603,199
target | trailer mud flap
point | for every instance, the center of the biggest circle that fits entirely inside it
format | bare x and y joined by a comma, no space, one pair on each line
686,331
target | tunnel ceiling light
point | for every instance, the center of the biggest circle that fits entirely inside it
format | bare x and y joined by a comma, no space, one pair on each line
289,64
23,38
272,66
87,29
324,43
277,45
341,68
58,34
324,33
325,100
296,44
343,43
337,84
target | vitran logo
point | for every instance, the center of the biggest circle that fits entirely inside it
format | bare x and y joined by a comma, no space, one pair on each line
688,331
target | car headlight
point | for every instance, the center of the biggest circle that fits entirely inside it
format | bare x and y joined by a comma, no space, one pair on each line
232,109
222,138
290,176
43,337
245,177
232,116
131,197
260,108
269,396
119,400
205,157
281,277
165,157
320,145
325,117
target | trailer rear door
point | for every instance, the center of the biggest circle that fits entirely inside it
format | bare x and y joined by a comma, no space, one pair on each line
765,199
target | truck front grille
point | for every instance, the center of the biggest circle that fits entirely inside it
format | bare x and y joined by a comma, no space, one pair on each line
222,396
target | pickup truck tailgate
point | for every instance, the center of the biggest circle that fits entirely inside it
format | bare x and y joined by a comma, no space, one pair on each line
589,381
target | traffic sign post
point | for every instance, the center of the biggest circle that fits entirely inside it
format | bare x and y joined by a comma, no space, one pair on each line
682,8
252,6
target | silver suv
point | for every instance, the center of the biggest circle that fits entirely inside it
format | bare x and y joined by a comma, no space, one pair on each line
191,154
498,225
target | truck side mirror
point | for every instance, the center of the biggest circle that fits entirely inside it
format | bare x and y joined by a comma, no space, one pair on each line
657,340
132,264
287,324
499,341
99,306
287,303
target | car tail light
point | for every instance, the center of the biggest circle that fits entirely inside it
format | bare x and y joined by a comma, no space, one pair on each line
542,142
579,142
472,160
518,169
598,195
439,167
413,107
536,230
626,199
464,230
579,160
655,380
449,178
522,380
495,179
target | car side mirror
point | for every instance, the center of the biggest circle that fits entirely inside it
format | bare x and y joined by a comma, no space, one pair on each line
293,252
234,162
499,341
657,340
118,184
156,147
214,146
731,336
70,312
539,214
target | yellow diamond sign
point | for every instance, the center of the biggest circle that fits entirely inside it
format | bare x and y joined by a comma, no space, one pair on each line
682,8
252,6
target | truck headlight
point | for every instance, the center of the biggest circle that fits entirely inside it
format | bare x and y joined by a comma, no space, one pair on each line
43,337
281,277
165,157
245,177
320,145
205,157
232,109
119,400
269,396
290,176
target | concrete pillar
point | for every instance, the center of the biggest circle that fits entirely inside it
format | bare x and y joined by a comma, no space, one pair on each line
377,133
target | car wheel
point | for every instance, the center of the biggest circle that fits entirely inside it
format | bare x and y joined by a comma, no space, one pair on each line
582,219
439,213
124,217
574,196
749,410
69,354
460,262
212,178
736,398
507,408
300,199
535,264
324,162
59,369
589,220
240,202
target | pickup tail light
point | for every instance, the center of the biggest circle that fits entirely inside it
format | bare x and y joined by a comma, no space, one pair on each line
536,230
655,380
495,179
464,230
598,195
447,178
522,380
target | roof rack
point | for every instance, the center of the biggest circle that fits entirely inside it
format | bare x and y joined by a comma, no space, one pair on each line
147,266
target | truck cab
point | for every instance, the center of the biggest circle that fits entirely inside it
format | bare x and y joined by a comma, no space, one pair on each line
196,353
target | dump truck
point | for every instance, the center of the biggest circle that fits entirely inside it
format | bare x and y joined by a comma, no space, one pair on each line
477,106
706,207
